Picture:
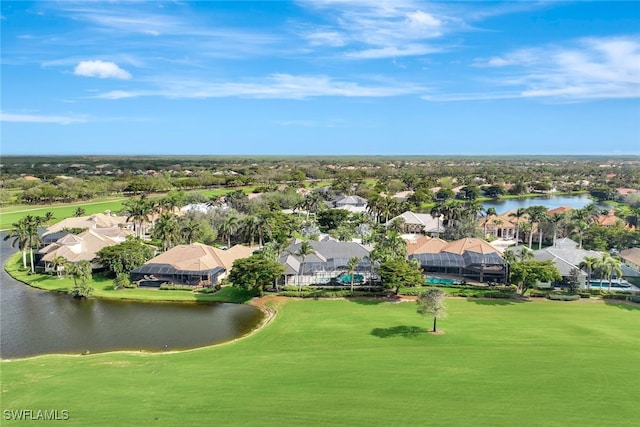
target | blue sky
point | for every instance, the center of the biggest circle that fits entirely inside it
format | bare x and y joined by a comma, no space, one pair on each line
320,77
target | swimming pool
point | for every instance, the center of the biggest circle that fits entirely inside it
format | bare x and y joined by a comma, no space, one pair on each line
346,279
615,286
441,281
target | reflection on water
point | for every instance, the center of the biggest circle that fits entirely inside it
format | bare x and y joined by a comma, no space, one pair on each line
550,202
36,322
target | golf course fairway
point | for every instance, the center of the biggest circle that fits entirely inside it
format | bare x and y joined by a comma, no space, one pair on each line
361,363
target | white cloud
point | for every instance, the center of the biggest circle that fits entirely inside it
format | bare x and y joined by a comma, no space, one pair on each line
275,86
101,69
378,29
591,68
34,118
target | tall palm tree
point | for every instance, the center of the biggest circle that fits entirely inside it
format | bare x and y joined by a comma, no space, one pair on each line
305,249
33,237
190,230
518,214
139,212
351,268
58,263
20,234
537,215
229,227
589,263
250,225
488,214
166,229
555,221
436,213
608,267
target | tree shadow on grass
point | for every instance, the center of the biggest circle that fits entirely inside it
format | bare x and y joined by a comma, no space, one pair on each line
367,300
398,331
497,301
623,305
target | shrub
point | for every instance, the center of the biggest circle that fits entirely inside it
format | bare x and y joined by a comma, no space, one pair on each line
563,297
615,296
536,293
122,281
584,294
635,299
175,288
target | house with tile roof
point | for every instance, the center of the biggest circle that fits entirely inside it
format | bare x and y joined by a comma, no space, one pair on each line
468,259
196,264
417,223
95,221
81,247
631,257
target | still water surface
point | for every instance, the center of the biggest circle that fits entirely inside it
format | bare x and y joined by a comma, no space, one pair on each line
550,202
34,322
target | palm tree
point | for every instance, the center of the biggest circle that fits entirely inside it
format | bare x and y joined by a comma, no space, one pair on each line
58,263
250,226
555,220
537,214
519,213
79,212
488,214
20,235
33,238
229,227
497,222
609,266
139,213
190,230
304,250
351,266
166,229
436,213
589,263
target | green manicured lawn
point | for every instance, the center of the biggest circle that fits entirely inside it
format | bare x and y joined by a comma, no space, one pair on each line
103,287
12,214
364,363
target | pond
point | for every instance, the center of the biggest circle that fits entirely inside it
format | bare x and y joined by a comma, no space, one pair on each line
34,322
550,202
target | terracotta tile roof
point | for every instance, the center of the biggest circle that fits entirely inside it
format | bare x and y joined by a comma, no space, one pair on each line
561,209
469,244
426,245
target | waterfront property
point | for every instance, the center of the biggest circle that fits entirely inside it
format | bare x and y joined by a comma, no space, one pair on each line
490,366
328,260
468,258
193,265
79,247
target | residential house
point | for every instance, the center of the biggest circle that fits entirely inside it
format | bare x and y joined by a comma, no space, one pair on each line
468,258
631,257
95,221
350,203
196,264
328,261
80,247
419,223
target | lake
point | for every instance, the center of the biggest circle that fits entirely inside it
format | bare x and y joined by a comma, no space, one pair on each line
550,202
34,322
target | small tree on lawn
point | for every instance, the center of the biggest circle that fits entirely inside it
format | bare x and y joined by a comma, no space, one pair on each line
432,303
254,272
527,273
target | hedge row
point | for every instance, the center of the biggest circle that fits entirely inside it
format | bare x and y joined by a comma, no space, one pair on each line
563,297
330,294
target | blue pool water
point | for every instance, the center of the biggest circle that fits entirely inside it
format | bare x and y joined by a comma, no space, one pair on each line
440,281
346,279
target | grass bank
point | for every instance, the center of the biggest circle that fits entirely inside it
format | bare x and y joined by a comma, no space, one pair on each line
103,287
363,363
12,214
